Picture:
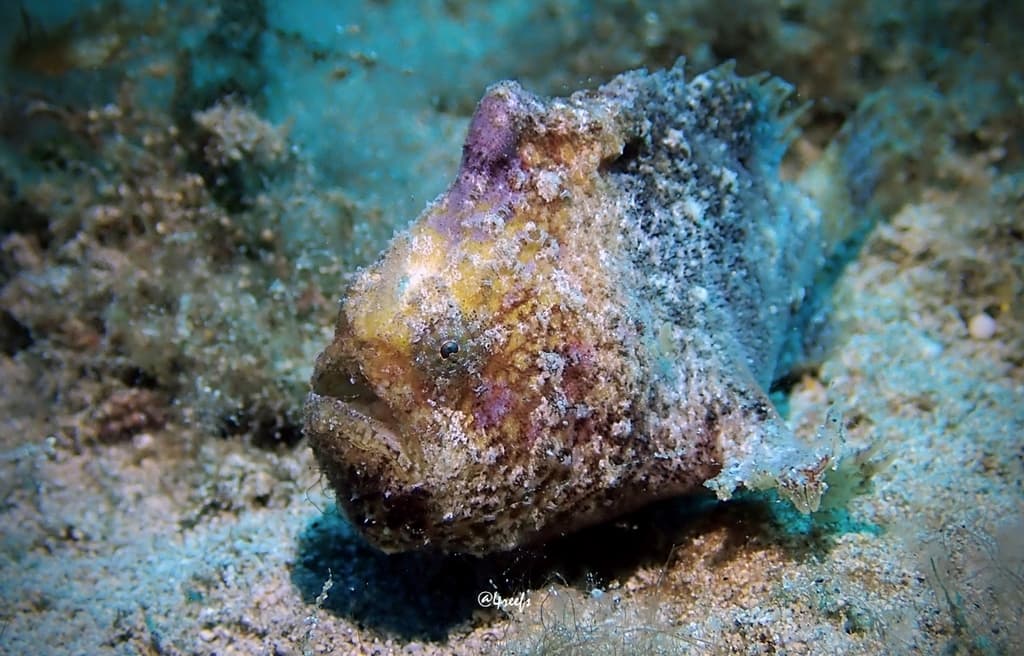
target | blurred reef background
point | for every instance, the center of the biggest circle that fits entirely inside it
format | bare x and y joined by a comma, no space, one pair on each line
186,189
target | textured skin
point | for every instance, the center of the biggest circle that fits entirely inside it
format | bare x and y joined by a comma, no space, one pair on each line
584,323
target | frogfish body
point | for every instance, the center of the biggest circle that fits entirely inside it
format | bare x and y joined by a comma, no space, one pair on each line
585,322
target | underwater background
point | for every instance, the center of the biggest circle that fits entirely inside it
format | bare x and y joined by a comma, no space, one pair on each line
187,188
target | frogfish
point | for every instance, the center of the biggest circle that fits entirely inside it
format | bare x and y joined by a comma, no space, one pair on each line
588,320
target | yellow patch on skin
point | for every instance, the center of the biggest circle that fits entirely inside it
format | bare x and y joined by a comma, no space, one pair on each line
425,260
477,283
376,324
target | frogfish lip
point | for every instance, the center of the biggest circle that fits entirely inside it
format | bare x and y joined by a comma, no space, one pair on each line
351,434
370,457
347,422
362,457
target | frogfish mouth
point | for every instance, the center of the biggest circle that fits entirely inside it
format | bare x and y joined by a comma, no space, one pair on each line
585,322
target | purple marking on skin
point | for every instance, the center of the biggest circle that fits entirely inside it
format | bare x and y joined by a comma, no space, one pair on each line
492,139
494,404
490,163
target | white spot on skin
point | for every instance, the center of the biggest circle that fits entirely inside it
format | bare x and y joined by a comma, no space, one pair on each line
549,185
622,428
550,363
694,208
568,290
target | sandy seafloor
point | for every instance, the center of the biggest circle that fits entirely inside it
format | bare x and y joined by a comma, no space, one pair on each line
186,190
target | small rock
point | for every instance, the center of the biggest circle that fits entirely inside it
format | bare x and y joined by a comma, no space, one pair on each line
981,326
143,441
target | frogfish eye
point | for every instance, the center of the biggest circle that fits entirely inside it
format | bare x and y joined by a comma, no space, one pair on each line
449,348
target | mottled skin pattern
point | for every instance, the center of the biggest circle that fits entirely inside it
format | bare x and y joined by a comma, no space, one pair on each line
584,323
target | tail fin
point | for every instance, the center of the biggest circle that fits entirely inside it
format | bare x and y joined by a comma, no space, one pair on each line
868,170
